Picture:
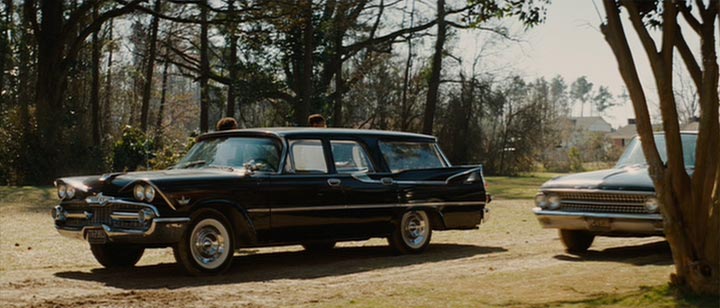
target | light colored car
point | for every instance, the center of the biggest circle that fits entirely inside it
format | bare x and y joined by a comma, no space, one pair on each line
615,202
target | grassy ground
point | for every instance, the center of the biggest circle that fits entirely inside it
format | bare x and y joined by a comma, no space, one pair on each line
518,187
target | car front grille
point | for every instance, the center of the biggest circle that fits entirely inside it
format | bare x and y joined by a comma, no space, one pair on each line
101,215
602,202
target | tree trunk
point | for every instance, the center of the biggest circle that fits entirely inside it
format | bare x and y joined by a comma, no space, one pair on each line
161,109
339,83
232,66
690,206
5,43
107,114
302,109
150,67
436,68
204,68
50,84
95,87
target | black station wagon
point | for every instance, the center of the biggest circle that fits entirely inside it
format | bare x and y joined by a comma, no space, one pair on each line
615,202
274,186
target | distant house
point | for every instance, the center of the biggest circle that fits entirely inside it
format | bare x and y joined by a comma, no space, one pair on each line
622,136
591,124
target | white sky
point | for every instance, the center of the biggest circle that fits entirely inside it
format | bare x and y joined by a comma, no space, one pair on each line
570,44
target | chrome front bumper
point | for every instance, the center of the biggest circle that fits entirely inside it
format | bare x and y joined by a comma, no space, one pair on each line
161,231
603,223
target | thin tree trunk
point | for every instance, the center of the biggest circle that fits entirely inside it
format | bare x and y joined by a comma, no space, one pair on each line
150,67
5,43
95,87
204,67
232,69
108,84
436,68
302,109
404,108
161,109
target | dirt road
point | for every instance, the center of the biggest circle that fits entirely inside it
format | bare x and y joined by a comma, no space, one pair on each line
510,261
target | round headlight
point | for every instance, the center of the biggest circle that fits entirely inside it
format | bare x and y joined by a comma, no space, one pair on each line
70,192
541,201
62,191
139,192
651,205
553,201
149,193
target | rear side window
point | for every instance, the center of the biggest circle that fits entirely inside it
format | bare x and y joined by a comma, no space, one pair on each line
350,157
307,156
411,155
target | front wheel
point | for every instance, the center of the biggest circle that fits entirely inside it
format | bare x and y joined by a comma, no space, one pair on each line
412,234
207,247
117,256
576,241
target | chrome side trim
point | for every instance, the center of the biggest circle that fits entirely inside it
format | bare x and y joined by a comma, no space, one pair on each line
363,177
366,206
172,219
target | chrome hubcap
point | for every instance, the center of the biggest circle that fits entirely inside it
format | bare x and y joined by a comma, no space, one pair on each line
209,243
415,228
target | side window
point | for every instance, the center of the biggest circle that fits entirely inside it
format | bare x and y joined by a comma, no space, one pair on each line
411,155
350,157
306,156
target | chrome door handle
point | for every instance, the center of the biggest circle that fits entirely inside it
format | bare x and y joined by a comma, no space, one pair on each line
334,182
387,181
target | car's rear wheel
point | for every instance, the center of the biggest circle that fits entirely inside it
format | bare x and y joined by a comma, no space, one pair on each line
576,241
412,233
207,247
117,256
318,246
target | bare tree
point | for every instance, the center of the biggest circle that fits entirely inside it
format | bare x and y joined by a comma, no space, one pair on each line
690,204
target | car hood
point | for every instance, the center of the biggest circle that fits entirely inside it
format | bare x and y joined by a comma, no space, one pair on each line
632,178
113,183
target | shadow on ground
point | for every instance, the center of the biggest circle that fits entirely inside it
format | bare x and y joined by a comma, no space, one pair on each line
279,265
655,253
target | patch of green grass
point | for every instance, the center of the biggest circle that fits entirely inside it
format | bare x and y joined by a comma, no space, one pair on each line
28,195
659,296
518,187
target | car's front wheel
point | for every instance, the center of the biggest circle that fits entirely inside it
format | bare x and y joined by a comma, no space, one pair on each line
412,233
576,241
117,256
207,247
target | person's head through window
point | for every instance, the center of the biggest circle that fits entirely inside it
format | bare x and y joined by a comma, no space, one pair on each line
316,120
226,124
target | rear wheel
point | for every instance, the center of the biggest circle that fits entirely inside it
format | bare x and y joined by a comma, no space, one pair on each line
116,256
576,241
318,246
207,247
412,234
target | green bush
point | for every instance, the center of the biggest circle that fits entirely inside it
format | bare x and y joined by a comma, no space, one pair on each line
576,164
133,151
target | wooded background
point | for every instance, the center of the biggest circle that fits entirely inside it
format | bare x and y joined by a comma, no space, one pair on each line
109,85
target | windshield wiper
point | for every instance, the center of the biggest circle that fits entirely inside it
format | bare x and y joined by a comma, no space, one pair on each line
191,164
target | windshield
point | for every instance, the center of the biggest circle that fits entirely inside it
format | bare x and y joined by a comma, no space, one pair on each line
233,152
633,154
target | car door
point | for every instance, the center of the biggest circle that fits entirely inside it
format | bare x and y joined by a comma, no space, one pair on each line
305,195
371,196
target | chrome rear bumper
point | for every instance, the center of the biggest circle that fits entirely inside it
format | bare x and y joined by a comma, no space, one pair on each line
609,223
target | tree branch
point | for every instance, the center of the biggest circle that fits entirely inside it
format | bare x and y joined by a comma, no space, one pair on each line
691,20
690,61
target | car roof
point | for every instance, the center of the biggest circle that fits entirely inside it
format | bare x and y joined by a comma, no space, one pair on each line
291,132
